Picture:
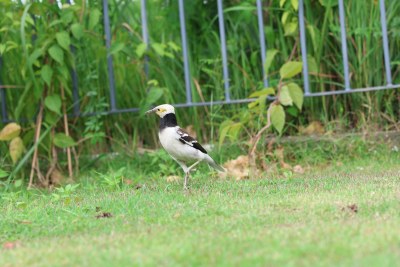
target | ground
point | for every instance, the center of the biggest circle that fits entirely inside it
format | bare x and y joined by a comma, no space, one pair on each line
341,214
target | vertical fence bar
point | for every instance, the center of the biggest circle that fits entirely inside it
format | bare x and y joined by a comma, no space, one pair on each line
74,76
262,40
185,52
344,46
75,92
145,34
303,46
110,68
385,42
223,49
4,115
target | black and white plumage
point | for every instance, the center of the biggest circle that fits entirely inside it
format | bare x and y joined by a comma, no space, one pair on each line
179,144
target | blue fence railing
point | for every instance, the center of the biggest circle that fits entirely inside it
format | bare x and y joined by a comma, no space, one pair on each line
263,47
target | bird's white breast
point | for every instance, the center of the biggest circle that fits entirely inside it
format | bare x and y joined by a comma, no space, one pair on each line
169,139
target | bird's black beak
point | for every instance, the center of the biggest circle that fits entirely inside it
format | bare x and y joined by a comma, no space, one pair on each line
150,111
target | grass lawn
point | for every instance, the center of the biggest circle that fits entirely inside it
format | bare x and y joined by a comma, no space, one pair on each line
339,215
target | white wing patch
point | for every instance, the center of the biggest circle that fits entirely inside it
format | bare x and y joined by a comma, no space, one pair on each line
185,138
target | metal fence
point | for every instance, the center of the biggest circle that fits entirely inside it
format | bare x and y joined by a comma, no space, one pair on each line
263,47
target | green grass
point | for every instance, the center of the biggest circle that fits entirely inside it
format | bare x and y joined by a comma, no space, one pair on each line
301,220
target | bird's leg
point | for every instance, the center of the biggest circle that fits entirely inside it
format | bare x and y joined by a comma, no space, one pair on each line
187,174
186,171
194,165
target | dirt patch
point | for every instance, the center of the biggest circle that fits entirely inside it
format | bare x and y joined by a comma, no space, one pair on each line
351,208
104,215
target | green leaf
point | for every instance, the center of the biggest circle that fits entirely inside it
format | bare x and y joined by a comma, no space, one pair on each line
290,28
174,46
10,131
271,53
281,3
46,73
328,3
295,4
57,54
159,48
3,173
153,95
315,36
253,104
116,47
312,64
265,91
290,69
94,18
223,132
63,39
18,183
34,56
77,30
278,117
234,131
284,97
51,118
296,94
67,16
262,100
2,48
16,149
293,111
53,103
285,16
63,141
141,49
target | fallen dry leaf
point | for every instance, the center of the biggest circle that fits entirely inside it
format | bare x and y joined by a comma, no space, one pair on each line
128,181
298,169
56,177
314,128
172,178
279,153
237,168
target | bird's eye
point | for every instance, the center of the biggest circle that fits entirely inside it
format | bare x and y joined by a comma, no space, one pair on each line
158,109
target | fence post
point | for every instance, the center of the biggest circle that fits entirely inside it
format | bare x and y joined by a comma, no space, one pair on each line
110,68
344,46
74,76
303,45
185,52
4,115
145,35
223,49
385,42
262,41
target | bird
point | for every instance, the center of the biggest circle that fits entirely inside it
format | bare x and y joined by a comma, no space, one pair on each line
182,147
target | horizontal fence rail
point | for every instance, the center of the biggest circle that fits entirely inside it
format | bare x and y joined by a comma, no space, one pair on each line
224,55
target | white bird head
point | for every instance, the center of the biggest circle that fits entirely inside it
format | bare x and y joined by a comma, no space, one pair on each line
162,110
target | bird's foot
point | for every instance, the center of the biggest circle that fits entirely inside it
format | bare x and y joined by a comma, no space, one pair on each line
186,183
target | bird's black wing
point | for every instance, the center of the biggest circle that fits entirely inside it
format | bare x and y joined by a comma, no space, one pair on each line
185,138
